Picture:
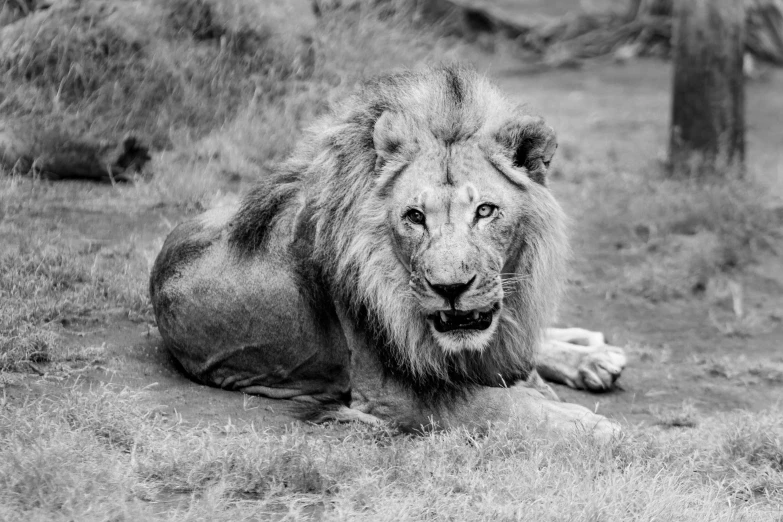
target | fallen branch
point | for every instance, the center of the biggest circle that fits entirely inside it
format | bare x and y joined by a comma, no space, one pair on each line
54,155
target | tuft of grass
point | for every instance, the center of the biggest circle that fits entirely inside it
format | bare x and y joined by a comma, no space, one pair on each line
756,446
748,457
75,56
196,19
66,457
678,238
22,346
685,416
744,370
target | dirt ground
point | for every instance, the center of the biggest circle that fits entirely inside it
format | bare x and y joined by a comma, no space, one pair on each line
676,353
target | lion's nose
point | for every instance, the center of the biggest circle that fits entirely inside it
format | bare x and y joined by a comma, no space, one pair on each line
451,291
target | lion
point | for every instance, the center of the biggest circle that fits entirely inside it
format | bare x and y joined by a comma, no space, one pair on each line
400,268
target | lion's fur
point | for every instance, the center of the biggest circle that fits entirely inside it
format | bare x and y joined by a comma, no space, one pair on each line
329,194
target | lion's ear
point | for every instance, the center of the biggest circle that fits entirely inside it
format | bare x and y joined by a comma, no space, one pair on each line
530,143
388,136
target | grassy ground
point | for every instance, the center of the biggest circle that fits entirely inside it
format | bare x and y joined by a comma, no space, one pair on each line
103,455
97,424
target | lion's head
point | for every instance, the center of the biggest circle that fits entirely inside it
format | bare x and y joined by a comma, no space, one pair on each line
463,198
423,200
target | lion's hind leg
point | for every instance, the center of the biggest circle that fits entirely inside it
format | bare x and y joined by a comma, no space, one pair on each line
580,359
343,413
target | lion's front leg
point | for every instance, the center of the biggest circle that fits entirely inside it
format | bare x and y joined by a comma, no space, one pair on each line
528,406
580,359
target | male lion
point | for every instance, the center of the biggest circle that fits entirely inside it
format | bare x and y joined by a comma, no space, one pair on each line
401,266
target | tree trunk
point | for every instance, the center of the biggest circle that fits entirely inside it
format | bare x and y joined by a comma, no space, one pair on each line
708,100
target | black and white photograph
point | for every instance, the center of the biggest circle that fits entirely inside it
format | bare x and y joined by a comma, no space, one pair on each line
391,260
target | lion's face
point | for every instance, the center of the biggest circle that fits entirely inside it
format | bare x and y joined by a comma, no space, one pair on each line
456,220
430,222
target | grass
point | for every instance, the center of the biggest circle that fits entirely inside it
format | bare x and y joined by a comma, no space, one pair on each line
744,370
102,453
691,234
106,68
686,416
46,287
53,276
678,238
101,68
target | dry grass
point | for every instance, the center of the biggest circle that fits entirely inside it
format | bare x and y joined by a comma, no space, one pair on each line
685,416
106,68
52,276
691,234
98,454
346,46
677,238
743,370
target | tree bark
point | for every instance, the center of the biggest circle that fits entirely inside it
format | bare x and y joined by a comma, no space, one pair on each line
708,99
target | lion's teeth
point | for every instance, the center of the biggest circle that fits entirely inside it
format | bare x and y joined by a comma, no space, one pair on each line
475,315
444,317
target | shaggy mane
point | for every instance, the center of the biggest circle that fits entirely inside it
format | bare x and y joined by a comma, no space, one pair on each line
327,196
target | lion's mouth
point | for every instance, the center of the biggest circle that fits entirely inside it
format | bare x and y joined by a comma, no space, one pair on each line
448,320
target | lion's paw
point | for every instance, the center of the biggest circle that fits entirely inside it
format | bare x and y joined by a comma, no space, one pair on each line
348,414
600,368
566,417
574,417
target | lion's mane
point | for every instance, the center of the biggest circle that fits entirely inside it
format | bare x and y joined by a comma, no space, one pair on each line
326,196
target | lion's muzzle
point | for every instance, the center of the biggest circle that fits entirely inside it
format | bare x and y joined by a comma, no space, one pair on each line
457,286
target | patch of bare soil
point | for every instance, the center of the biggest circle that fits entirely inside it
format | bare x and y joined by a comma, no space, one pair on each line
135,357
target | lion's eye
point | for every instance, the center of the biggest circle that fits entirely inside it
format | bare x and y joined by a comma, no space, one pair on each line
485,210
415,216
